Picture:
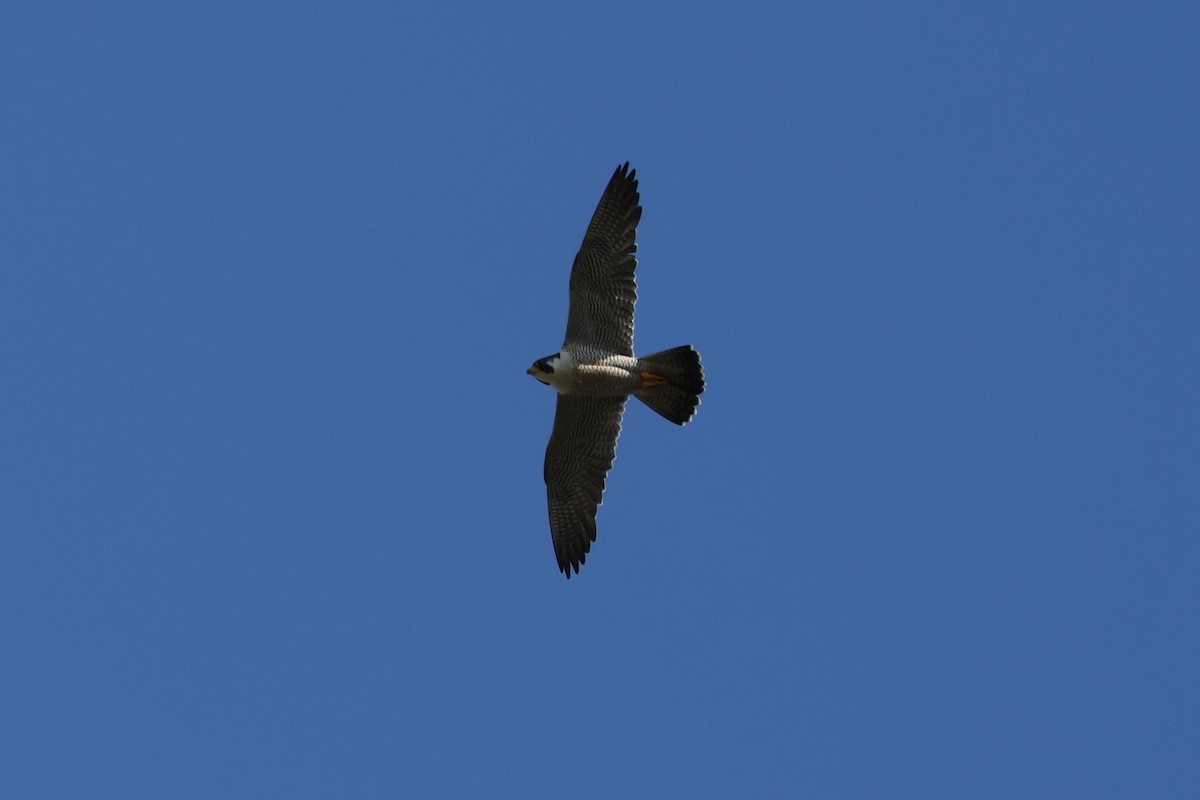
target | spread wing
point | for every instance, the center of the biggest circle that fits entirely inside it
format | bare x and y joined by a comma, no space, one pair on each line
603,286
580,453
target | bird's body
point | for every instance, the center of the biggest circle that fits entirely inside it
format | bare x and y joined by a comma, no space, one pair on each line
587,371
596,371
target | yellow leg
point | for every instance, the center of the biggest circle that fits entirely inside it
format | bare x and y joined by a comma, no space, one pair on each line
651,379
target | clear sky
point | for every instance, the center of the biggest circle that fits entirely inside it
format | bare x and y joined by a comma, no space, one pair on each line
272,520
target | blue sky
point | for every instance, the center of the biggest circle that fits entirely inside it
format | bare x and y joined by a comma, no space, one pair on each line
272,521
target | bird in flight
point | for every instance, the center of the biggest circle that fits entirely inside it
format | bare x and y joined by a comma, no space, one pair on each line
596,371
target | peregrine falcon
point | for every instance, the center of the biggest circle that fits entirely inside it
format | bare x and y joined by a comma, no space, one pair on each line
596,372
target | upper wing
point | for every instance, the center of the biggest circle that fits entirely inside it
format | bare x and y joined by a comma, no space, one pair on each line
603,286
580,453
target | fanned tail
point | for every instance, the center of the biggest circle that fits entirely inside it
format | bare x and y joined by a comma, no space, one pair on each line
673,381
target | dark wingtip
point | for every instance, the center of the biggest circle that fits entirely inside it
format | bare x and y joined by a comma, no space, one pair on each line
624,173
565,567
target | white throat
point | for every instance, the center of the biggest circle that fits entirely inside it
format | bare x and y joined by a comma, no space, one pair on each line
564,372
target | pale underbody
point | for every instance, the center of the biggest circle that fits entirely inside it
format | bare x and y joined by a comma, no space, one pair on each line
613,375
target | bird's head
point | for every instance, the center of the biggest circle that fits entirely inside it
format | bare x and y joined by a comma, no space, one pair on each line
543,369
557,371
